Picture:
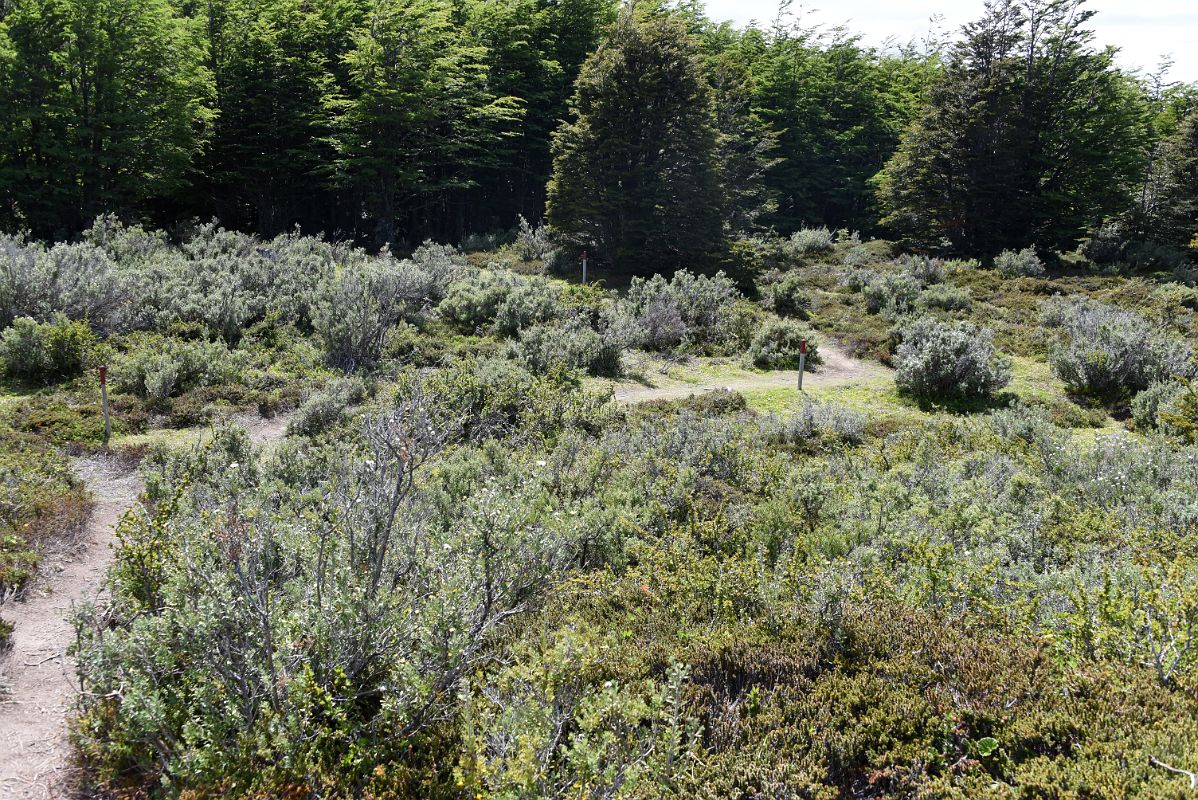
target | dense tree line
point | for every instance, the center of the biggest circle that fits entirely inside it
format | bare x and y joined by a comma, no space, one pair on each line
654,134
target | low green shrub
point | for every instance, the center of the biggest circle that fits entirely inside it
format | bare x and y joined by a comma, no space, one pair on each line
569,344
1022,264
1110,354
472,303
811,241
39,352
946,298
156,368
892,295
528,304
788,296
777,346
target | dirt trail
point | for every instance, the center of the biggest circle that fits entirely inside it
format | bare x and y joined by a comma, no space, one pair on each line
838,367
37,676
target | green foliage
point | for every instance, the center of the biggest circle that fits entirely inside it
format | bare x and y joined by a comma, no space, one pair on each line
635,177
777,346
527,304
788,296
690,309
1022,264
98,86
157,368
939,361
569,344
473,302
1030,133
811,241
946,298
1110,354
45,352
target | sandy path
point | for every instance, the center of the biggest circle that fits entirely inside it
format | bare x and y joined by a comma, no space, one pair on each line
38,676
838,367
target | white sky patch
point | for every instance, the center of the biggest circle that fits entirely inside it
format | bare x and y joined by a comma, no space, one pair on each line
1145,31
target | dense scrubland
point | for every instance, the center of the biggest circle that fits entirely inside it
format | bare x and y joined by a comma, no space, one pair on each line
970,570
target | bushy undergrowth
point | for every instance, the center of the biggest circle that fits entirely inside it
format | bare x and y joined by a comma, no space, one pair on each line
455,598
778,344
688,309
939,361
44,352
1111,354
1022,264
42,510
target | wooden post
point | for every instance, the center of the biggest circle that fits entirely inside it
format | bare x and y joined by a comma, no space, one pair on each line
802,361
584,267
104,403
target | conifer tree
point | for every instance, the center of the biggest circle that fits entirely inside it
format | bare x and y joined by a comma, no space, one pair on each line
1030,136
635,173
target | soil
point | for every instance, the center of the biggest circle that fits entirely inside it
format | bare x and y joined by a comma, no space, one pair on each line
838,367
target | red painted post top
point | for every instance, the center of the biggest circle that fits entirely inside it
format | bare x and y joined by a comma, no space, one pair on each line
803,346
103,375
584,255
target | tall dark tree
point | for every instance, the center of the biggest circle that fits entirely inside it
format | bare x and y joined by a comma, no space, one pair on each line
104,104
1031,136
1179,202
417,114
273,63
839,110
635,173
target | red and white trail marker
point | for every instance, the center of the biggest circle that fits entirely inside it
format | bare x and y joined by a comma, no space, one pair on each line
802,361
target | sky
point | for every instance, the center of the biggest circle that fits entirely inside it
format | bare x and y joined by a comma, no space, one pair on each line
1144,30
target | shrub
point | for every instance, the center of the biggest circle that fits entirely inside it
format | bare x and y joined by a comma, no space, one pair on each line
1154,256
478,242
1022,264
359,306
471,304
938,361
659,326
1106,245
814,420
703,303
788,296
568,344
924,269
1111,354
857,256
946,297
777,344
891,295
158,368
442,264
811,241
42,352
326,408
534,244
1147,405
529,303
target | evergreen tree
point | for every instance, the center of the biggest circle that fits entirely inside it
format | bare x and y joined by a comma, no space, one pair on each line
1031,136
635,173
104,109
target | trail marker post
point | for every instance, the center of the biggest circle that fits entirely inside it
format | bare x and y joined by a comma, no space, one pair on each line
104,403
584,267
802,361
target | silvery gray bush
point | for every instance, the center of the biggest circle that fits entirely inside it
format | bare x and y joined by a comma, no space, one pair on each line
941,361
1021,264
1109,353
